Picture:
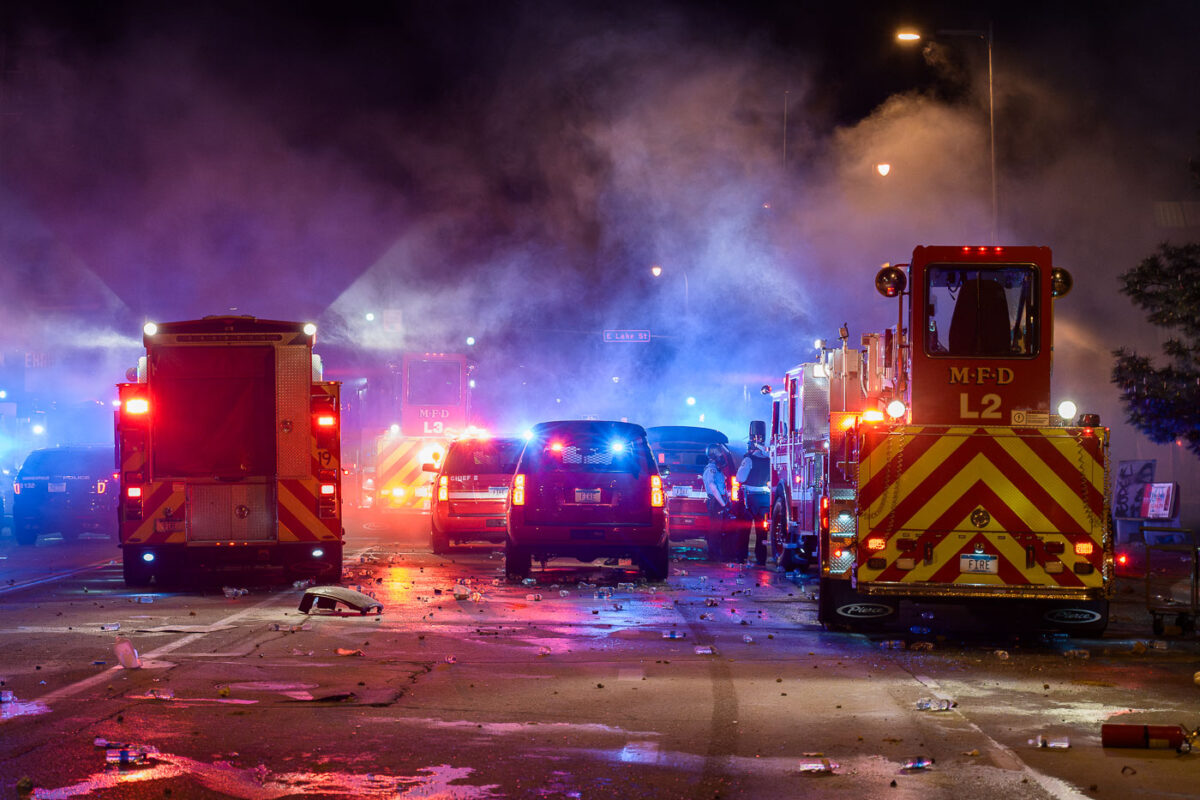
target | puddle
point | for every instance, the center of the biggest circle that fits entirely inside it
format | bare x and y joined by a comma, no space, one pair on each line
20,708
254,784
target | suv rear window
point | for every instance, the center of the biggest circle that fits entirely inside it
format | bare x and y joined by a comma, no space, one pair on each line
588,454
483,457
69,462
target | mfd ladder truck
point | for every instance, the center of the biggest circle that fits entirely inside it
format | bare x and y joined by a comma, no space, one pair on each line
926,468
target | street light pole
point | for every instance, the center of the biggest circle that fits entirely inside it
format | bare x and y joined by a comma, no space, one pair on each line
657,270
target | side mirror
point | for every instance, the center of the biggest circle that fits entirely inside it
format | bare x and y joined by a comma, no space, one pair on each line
664,471
891,281
429,467
1060,282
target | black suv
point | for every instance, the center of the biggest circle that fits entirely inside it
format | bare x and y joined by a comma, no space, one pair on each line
587,490
65,489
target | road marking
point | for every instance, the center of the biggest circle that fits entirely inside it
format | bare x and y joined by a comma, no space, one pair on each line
1055,787
54,577
100,677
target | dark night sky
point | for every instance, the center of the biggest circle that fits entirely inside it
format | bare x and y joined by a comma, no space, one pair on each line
510,169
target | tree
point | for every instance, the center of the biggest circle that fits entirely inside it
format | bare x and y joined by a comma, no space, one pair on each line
1164,402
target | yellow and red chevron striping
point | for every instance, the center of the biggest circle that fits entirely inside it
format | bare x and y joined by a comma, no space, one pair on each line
298,520
1036,479
399,466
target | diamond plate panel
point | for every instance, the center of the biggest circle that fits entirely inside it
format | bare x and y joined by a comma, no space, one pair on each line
293,406
243,512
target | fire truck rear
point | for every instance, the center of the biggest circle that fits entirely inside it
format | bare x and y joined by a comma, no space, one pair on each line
926,468
228,445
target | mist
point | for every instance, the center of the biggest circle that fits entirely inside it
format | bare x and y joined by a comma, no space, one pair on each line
514,177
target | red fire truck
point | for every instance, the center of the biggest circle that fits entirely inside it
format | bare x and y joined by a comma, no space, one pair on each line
228,446
926,468
429,407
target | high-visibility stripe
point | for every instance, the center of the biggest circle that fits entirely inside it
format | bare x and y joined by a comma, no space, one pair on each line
930,485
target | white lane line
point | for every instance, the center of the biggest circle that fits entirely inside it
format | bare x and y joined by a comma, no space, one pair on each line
54,577
101,677
1055,787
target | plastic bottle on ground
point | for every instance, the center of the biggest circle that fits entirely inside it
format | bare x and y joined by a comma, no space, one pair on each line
127,656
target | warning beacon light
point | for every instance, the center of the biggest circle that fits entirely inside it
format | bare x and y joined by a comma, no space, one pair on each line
891,281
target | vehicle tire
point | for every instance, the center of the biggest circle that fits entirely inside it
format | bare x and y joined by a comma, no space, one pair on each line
334,574
517,561
655,562
25,534
135,570
781,554
439,541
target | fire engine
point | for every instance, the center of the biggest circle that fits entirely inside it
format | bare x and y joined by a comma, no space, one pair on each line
926,467
410,415
228,447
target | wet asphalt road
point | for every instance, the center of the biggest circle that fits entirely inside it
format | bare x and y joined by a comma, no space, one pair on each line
588,684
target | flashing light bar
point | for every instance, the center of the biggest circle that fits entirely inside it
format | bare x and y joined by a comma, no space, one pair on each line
872,415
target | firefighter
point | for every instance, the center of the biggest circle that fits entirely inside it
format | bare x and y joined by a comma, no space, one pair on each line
754,475
717,500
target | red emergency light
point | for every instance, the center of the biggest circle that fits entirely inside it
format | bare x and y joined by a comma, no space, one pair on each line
326,421
137,405
134,492
656,491
518,492
328,489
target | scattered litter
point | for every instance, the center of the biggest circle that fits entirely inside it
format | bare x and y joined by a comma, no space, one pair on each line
674,634
818,766
231,592
704,650
304,584
1059,743
283,626
153,694
533,598
529,582
1138,648
748,639
476,597
145,598
543,651
625,587
1166,737
346,651
1080,654
127,656
111,626
1196,679
1001,654
920,630
461,592
921,646
602,594
6,696
892,644
327,598
563,593
935,704
617,607
128,755
1128,770
917,763
451,660
972,752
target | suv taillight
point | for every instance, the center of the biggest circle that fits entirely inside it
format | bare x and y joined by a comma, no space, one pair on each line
443,489
735,489
656,491
518,491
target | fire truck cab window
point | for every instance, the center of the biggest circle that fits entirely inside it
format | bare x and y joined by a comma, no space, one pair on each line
434,383
981,312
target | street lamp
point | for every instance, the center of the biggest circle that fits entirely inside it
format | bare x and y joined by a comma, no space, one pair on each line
656,270
986,36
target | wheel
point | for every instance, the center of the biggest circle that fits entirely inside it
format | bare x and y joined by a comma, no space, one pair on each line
517,561
25,533
781,554
334,554
137,572
439,541
655,562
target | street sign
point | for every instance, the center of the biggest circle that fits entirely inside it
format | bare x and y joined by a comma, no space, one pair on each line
626,336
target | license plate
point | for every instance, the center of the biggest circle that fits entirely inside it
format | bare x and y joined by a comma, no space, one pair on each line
498,491
495,523
587,495
681,491
979,564
56,487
